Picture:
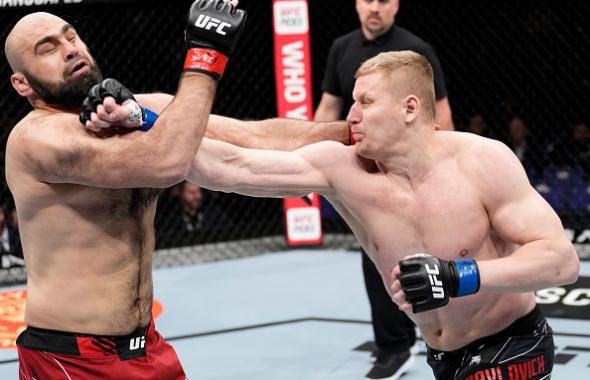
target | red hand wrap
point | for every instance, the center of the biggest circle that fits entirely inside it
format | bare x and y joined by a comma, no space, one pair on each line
205,60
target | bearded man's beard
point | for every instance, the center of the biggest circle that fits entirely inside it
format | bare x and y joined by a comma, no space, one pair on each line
69,93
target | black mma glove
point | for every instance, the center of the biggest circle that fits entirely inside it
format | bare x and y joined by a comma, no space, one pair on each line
212,33
428,282
111,87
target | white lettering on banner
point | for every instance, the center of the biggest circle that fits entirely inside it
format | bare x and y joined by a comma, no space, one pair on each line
298,113
304,223
576,297
294,72
290,17
583,237
549,295
29,3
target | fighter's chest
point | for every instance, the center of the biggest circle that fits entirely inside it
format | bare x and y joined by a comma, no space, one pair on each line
110,203
445,218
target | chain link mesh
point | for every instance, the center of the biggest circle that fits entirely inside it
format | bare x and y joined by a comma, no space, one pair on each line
513,69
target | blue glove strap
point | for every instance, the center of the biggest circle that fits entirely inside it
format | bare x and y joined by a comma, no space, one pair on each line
468,277
148,120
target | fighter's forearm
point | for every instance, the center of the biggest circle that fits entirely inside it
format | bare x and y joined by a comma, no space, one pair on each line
179,130
534,266
226,167
164,156
277,134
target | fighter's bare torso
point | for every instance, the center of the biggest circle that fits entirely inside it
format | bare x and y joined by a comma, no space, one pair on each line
88,251
441,214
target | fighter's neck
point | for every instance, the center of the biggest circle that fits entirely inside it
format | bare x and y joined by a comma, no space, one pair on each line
56,108
411,159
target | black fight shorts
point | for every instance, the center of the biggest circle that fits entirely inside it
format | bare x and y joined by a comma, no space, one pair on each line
522,351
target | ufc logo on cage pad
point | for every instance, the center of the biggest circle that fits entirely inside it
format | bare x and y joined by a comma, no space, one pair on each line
208,22
435,283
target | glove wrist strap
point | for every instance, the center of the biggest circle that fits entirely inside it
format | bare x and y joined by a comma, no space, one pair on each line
468,276
149,118
205,61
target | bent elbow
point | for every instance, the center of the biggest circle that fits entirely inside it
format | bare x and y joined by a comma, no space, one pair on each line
574,268
170,175
179,172
571,267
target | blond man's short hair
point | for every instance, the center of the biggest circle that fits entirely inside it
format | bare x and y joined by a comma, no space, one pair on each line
417,77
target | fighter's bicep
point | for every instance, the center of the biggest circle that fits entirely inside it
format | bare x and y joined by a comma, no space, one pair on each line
517,211
526,218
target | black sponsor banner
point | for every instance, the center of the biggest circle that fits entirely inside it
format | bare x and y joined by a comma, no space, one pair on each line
567,301
45,3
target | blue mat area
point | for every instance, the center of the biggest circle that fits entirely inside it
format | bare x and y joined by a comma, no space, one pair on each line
295,315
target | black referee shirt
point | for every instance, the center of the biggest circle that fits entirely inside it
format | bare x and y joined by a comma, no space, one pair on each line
351,50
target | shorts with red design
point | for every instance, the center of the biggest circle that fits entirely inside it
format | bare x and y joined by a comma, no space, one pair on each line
142,355
522,351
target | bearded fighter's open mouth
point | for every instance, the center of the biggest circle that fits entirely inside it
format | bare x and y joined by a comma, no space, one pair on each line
79,68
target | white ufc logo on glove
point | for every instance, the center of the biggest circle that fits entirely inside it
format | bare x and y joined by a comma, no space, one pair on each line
435,283
208,22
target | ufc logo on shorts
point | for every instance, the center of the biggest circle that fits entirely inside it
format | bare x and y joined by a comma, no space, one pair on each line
208,22
137,343
435,283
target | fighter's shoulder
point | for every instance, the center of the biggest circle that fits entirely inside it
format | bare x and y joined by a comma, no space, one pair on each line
37,124
482,156
42,129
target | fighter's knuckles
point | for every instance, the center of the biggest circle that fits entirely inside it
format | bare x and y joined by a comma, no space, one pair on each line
399,297
120,113
91,127
102,113
96,121
406,308
109,101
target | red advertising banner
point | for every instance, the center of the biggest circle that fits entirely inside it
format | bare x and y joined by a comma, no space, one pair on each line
294,100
